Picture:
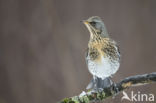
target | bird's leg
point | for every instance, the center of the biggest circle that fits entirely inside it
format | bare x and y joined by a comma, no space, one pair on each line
95,83
114,88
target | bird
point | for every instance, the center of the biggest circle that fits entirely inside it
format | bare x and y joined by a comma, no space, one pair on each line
102,55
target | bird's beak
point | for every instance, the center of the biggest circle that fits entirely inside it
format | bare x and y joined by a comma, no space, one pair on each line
85,22
89,27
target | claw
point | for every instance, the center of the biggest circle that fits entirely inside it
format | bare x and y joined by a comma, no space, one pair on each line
114,90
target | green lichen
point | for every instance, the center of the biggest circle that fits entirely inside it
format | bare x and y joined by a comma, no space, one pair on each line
84,99
90,97
65,100
100,95
76,99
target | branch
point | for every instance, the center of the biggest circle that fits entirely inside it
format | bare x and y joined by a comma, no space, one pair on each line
91,96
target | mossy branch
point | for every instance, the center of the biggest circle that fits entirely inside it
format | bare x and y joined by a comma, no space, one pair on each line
108,92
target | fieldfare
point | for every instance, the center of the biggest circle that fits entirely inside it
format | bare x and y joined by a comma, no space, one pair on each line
102,55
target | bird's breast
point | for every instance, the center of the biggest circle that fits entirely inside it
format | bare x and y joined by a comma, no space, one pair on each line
103,59
104,68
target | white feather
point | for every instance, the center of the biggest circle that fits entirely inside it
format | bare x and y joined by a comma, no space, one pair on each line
106,68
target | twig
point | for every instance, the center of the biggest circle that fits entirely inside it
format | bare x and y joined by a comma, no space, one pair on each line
108,92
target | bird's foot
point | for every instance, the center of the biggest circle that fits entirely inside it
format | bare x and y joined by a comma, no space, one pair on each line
97,89
114,90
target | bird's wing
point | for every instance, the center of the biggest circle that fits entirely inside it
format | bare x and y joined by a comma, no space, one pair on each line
118,50
116,47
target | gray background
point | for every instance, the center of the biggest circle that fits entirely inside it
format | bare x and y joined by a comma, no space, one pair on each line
43,43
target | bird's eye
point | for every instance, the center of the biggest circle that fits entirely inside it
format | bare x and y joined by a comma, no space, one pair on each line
93,23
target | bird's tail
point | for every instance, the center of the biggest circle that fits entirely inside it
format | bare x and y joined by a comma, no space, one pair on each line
97,83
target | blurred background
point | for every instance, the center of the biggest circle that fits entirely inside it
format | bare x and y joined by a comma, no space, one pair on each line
43,43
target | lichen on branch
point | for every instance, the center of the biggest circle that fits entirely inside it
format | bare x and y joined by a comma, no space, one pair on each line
92,96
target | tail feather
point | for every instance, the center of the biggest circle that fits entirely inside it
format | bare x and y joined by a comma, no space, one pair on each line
90,85
97,83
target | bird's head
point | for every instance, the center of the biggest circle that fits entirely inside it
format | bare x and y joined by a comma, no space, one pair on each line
96,27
